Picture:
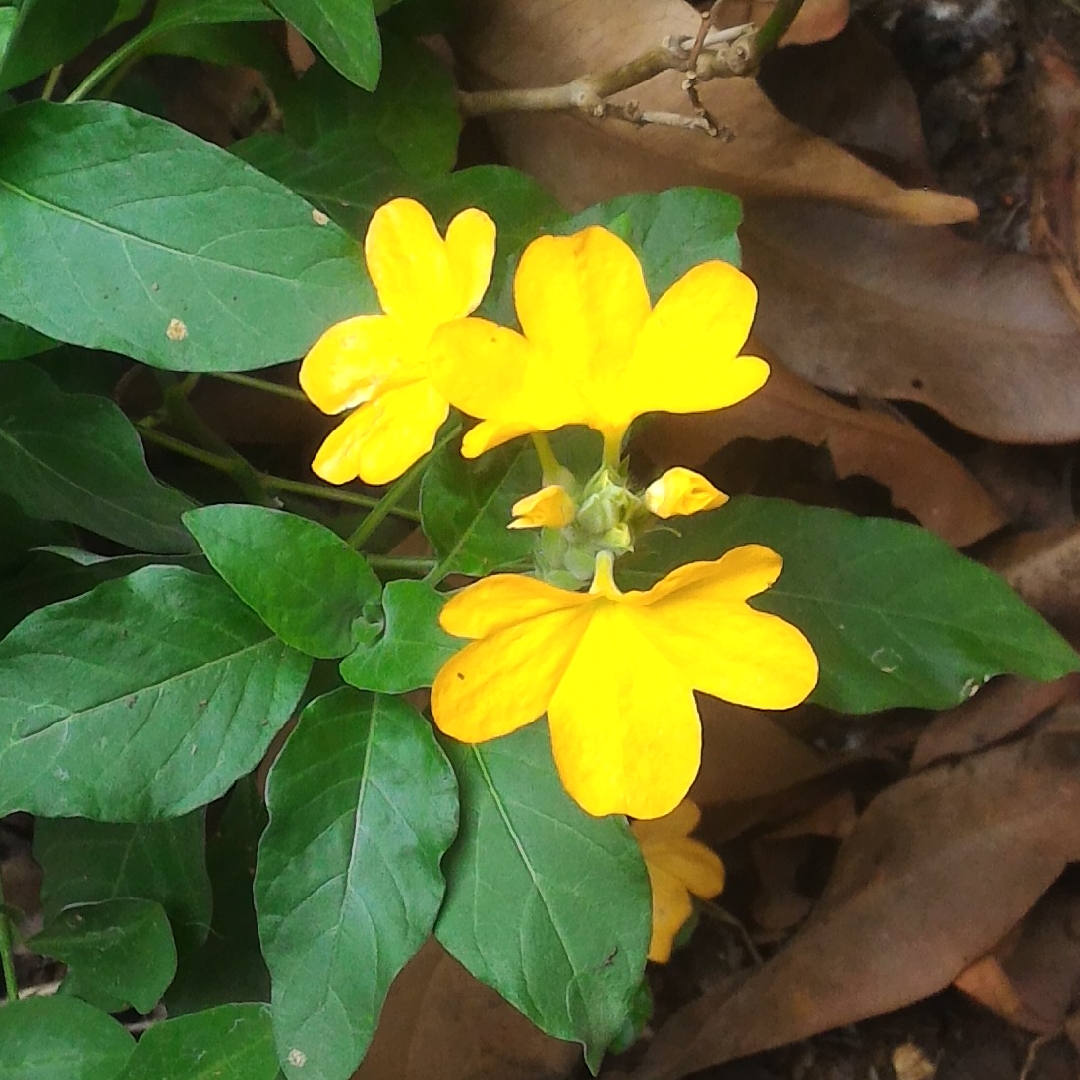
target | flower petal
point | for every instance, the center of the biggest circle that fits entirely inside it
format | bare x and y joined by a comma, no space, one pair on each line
685,358
682,821
549,508
671,907
504,681
625,731
415,278
501,601
379,441
737,575
690,862
470,251
682,491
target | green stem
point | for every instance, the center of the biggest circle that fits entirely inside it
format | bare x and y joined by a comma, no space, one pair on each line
405,563
262,384
776,25
387,504
129,49
269,482
50,82
549,463
613,448
7,953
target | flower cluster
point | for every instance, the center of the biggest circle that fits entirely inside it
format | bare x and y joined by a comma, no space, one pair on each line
614,671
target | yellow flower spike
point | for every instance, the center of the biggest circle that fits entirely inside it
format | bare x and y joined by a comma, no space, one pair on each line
616,672
680,492
679,867
378,364
592,351
549,508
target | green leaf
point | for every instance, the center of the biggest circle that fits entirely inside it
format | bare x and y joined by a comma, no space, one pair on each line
232,1042
344,31
143,699
16,340
170,14
412,647
465,507
49,32
362,806
115,950
301,579
545,903
77,458
88,861
410,121
60,1038
229,966
896,616
670,231
123,232
8,15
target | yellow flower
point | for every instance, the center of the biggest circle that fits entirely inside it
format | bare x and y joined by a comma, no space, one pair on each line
549,508
678,868
592,349
616,672
682,491
380,362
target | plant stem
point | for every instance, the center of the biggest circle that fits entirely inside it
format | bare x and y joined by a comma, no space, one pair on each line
7,955
261,384
130,48
50,82
268,482
776,25
387,504
549,463
406,563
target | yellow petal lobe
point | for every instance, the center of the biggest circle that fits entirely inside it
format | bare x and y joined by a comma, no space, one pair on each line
680,492
470,251
549,508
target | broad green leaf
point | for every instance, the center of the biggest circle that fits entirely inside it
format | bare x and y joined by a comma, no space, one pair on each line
465,506
410,120
20,533
362,806
232,1042
545,903
115,950
670,231
301,579
169,14
344,31
16,340
123,232
145,698
412,647
60,1038
229,966
48,32
896,616
88,861
77,458
8,15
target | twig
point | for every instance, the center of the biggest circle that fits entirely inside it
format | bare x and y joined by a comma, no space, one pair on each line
1033,1049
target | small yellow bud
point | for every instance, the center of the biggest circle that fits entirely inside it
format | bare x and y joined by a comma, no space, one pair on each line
681,491
548,508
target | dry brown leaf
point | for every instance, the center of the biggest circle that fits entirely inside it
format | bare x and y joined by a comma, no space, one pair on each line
1044,568
863,306
939,867
997,711
924,480
746,754
522,43
440,1022
1031,977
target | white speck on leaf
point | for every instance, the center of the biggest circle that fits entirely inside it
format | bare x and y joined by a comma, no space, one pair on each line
297,1058
176,330
319,217
885,660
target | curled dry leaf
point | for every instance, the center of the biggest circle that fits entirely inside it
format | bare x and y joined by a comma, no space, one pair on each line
923,479
1044,568
523,43
868,307
938,869
438,1021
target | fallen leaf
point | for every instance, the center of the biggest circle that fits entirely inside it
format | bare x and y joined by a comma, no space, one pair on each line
925,480
1031,977
1044,568
939,867
779,903
438,1021
523,43
867,307
1000,709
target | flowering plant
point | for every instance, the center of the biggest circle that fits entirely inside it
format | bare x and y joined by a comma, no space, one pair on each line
429,669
